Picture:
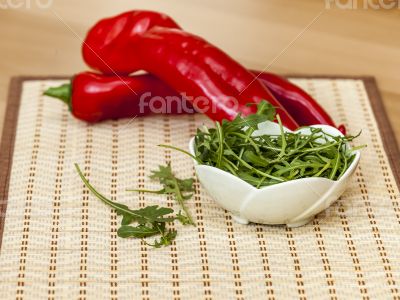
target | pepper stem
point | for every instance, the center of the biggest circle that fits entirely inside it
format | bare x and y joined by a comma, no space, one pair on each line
62,92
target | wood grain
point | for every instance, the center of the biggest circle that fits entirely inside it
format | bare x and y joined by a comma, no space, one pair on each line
256,32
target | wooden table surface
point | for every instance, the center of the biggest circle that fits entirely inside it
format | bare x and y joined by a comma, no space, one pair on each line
287,36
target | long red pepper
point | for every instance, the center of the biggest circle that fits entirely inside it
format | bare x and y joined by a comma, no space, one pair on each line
92,97
220,87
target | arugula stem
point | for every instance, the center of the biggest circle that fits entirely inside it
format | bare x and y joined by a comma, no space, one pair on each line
261,182
284,143
316,149
180,199
181,150
344,168
230,166
326,167
158,192
334,170
247,138
104,199
221,143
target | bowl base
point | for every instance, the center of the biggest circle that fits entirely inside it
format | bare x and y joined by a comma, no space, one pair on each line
299,223
240,220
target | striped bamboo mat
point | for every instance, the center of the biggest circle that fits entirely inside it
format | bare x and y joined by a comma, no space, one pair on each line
59,242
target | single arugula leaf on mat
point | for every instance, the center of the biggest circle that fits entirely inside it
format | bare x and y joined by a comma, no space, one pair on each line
151,220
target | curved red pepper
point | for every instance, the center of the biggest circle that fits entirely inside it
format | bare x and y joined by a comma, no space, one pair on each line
220,87
93,98
110,42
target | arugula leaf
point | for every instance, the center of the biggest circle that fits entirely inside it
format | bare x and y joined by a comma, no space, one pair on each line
184,219
151,220
148,214
140,231
265,112
165,240
180,189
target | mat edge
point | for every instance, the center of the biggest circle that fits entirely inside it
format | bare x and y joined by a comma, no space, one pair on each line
7,143
385,127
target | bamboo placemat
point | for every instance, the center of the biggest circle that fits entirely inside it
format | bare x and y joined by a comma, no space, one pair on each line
59,242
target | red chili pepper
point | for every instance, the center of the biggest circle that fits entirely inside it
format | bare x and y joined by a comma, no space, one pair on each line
220,87
93,97
304,108
110,45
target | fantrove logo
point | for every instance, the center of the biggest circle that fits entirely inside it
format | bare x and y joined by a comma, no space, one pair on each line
362,4
180,104
25,4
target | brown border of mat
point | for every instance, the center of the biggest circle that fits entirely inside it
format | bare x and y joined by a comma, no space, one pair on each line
7,145
14,98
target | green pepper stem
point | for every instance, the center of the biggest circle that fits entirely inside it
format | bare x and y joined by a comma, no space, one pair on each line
62,92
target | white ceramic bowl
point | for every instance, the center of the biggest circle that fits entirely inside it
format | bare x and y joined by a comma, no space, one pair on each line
293,203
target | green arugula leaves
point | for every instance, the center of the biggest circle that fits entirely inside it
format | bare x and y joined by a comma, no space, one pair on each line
270,159
151,220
